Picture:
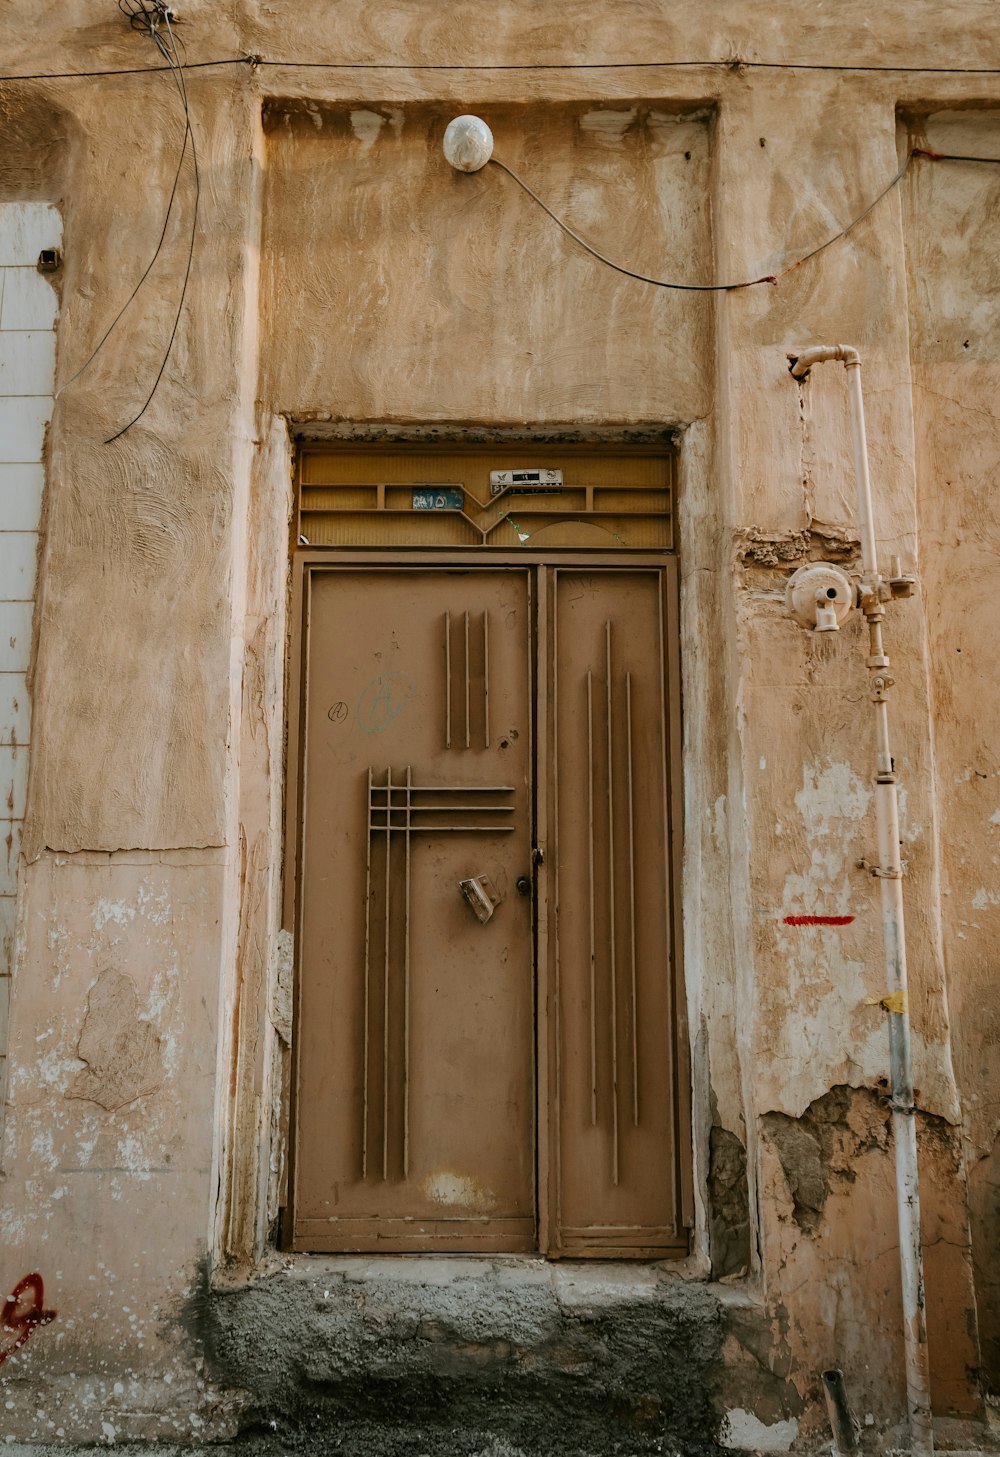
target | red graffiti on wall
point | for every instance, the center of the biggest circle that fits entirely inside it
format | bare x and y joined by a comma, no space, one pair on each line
23,1309
818,920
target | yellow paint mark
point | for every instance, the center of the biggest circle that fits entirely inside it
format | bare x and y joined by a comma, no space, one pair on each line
896,1002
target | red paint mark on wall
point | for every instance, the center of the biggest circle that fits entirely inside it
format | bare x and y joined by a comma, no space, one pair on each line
818,920
23,1309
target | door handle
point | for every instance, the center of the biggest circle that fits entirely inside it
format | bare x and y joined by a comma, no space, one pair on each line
481,895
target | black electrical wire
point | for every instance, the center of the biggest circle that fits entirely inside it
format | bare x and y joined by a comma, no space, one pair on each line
618,267
129,70
712,287
146,272
177,67
854,223
144,21
732,63
147,16
950,156
141,17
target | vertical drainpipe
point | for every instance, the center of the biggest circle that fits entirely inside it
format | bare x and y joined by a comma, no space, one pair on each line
875,592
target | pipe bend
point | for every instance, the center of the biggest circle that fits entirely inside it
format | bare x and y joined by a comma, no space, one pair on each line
801,364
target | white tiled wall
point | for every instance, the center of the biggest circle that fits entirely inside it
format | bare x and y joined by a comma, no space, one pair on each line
28,306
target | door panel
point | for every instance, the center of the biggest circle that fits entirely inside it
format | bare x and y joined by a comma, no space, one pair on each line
415,1042
419,1014
615,1120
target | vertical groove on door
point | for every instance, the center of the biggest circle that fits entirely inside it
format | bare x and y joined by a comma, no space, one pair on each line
631,901
447,680
554,1092
486,677
385,979
367,991
612,959
468,735
667,875
406,982
592,898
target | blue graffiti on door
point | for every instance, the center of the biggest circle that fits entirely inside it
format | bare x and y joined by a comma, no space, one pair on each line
381,703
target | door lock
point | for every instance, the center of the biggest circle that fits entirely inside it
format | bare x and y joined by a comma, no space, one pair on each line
523,885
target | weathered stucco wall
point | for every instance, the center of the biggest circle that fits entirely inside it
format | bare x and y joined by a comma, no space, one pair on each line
805,747
109,1150
343,274
129,898
409,273
142,523
955,331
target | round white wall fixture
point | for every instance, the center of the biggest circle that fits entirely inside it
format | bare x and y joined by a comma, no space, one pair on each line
821,596
468,143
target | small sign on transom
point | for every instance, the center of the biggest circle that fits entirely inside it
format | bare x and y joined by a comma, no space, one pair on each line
525,480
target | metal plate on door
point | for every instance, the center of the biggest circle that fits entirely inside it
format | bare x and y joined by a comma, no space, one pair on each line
482,895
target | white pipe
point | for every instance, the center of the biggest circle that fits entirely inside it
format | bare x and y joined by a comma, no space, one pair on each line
889,872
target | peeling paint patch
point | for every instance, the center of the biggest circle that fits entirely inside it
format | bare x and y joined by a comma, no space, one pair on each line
43,1150
743,1432
366,126
281,986
117,912
123,1053
833,792
457,1189
819,543
609,125
823,1146
133,1156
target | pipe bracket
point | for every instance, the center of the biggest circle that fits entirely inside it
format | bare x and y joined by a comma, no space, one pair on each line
879,871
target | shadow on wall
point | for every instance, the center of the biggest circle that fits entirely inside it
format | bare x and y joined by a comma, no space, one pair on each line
36,147
984,1198
728,1203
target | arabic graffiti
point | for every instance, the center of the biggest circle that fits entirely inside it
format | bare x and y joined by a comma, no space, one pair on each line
383,701
23,1309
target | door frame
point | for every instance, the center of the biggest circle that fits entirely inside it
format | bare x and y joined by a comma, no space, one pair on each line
306,562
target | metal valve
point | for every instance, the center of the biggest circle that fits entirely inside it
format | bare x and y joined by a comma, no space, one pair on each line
821,596
901,584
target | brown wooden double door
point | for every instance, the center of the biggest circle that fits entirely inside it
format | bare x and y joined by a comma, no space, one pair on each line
489,1050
